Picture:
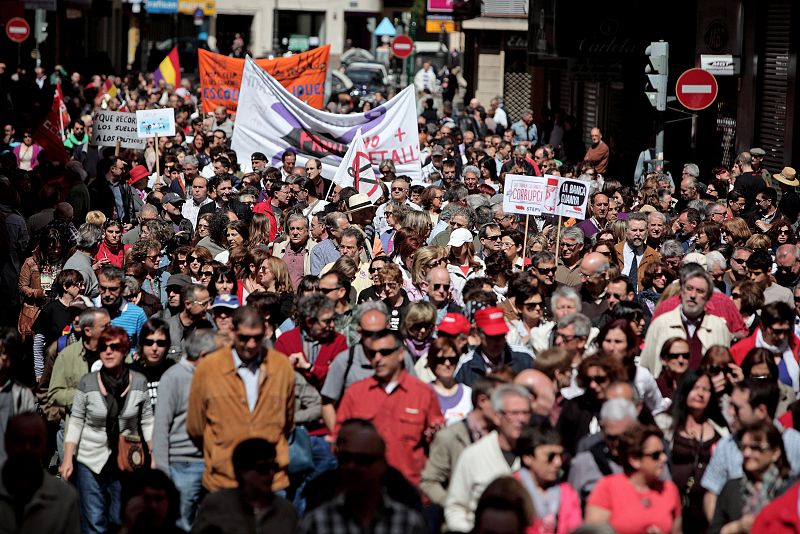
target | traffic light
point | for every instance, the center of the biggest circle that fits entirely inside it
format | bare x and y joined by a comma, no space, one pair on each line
657,66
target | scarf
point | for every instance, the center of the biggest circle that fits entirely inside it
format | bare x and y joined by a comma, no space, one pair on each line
418,349
546,503
115,386
755,499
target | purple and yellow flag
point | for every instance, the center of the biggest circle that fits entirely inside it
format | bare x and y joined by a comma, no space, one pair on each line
170,69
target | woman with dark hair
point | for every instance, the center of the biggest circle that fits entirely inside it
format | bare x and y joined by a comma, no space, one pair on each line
199,149
766,476
250,275
556,503
759,364
237,234
718,364
196,260
656,278
109,403
455,399
150,357
27,152
692,431
674,364
637,500
223,282
618,341
488,167
781,233
431,202
216,239
203,227
111,250
709,236
142,488
499,270
37,274
580,416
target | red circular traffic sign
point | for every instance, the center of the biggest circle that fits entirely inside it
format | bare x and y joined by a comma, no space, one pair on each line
696,89
402,46
18,29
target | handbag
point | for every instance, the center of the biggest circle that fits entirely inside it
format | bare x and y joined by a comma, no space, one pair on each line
27,316
133,452
301,459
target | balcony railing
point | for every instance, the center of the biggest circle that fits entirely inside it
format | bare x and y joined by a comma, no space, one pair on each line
505,8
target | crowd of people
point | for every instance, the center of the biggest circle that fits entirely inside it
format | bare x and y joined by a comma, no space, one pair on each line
190,346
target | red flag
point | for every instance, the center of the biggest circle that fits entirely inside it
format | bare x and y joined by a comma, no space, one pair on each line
64,114
48,134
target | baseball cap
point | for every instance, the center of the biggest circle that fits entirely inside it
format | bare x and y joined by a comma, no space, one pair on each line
454,324
491,321
437,150
459,237
171,198
180,280
226,301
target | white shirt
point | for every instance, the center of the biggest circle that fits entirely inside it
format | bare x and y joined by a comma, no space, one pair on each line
191,209
628,253
249,375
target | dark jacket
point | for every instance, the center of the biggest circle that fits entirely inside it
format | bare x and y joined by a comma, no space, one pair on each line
101,198
575,418
476,367
241,210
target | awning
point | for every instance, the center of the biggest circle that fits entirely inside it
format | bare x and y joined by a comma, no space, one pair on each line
496,23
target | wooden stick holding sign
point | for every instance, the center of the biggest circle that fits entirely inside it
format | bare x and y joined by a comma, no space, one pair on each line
158,166
116,147
525,242
558,238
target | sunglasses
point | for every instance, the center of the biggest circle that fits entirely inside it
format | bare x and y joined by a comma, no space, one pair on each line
655,455
452,360
738,260
420,326
370,353
530,306
599,379
326,290
399,190
244,338
551,456
437,287
116,347
149,342
193,259
714,370
676,355
207,273
542,270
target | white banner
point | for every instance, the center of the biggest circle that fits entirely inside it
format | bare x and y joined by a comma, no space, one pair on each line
108,127
356,171
548,195
271,120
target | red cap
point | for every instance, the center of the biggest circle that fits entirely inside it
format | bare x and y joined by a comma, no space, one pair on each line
137,173
491,321
454,324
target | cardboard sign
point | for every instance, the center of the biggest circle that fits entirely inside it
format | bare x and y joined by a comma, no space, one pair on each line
303,75
112,126
548,195
155,122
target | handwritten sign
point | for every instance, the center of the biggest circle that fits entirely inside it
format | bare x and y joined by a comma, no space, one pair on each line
155,122
112,126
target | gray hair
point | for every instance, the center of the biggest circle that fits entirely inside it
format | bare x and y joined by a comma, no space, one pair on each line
715,257
112,272
476,201
616,410
89,236
132,285
190,160
332,219
296,217
698,204
88,317
671,247
694,270
483,215
583,325
352,231
543,256
449,211
466,213
473,169
692,170
565,292
636,216
657,214
310,305
521,150
507,390
150,209
710,207
200,342
573,232
371,305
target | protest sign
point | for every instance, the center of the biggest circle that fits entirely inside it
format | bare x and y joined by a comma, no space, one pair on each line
112,126
548,195
356,170
271,120
301,74
155,122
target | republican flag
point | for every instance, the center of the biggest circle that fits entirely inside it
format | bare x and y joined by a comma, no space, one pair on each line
356,170
170,69
49,133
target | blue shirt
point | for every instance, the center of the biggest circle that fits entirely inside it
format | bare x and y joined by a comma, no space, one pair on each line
248,372
522,132
115,189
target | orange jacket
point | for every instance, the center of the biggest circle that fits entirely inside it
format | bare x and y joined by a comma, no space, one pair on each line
219,418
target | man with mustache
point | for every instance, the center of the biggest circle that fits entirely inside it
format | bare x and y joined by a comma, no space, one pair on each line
688,321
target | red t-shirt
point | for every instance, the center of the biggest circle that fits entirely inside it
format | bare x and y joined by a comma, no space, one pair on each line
633,512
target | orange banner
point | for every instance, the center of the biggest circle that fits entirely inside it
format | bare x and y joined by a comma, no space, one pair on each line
302,74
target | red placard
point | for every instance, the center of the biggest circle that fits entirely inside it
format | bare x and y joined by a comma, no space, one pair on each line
402,46
18,29
696,89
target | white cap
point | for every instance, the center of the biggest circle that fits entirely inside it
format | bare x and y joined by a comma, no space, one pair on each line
459,237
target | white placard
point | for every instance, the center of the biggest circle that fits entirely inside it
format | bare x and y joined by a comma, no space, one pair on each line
155,122
108,127
547,195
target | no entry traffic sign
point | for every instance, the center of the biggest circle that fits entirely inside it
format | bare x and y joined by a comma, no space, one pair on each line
696,89
17,29
402,46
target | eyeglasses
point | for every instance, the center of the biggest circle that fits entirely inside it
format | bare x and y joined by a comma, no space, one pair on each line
597,379
370,353
201,302
452,360
784,232
435,263
438,287
655,455
399,190
755,447
387,285
569,245
149,342
676,355
116,347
